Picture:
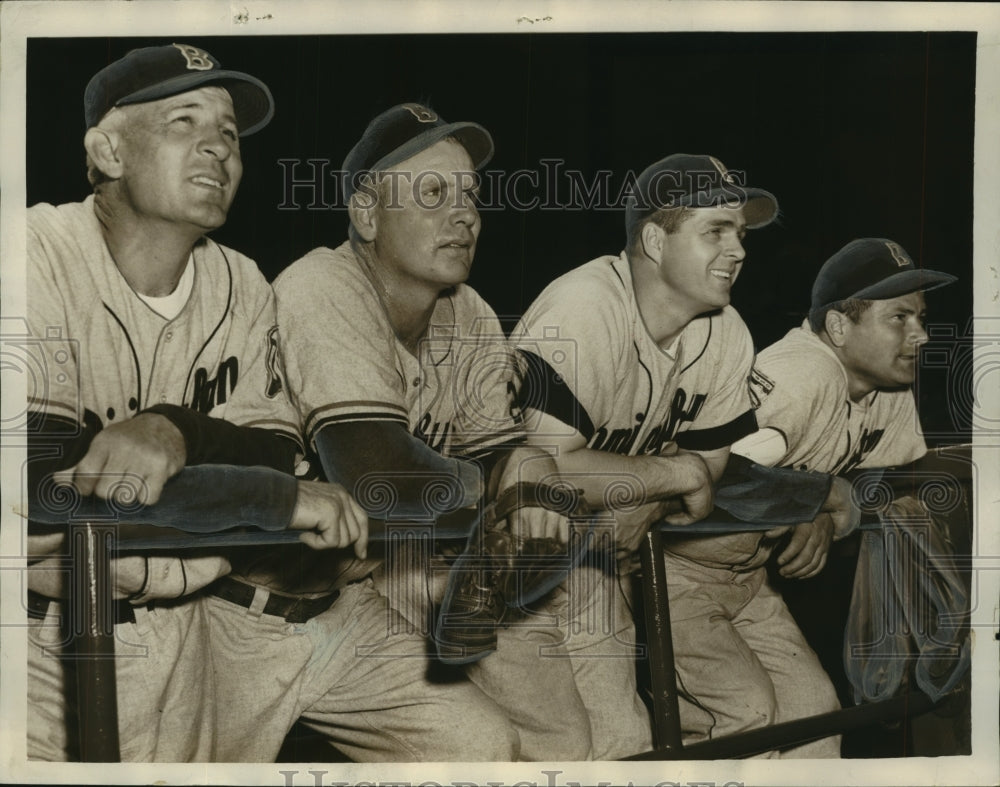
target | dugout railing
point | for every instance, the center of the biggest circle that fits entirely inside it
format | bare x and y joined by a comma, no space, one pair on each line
946,467
91,612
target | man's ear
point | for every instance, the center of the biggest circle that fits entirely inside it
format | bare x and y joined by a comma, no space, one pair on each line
651,237
837,326
362,211
102,148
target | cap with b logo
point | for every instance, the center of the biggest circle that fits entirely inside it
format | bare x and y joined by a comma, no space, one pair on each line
689,181
872,269
402,132
156,72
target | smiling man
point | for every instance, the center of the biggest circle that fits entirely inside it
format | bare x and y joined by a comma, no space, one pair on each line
834,395
145,326
636,374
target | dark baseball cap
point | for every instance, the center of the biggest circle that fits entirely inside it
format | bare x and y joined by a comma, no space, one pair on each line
156,72
872,269
683,180
402,132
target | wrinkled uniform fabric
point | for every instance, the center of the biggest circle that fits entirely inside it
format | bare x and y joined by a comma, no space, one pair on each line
354,673
343,363
800,389
608,380
109,356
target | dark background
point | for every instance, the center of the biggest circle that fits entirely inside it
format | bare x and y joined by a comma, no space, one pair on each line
858,134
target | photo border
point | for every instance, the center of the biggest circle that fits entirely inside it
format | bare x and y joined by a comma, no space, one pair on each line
23,20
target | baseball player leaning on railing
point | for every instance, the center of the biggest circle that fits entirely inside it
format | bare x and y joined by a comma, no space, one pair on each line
148,325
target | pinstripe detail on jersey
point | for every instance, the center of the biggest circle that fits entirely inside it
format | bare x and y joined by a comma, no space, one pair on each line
637,396
718,436
621,279
135,357
701,352
635,344
215,330
649,376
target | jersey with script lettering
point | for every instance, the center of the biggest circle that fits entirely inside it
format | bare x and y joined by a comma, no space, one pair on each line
802,391
590,363
105,351
344,363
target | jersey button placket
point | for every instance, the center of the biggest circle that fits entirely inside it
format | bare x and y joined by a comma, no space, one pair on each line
164,360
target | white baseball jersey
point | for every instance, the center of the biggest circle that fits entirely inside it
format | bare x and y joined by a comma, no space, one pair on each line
104,350
802,391
622,392
343,363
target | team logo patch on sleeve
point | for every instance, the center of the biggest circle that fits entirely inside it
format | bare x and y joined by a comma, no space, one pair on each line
760,385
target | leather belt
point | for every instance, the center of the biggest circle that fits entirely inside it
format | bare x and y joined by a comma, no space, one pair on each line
293,609
38,607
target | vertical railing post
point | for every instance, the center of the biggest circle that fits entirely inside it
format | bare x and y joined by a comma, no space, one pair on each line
666,716
92,621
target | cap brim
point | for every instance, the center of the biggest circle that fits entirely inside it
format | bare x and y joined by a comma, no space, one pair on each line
903,283
252,101
759,207
474,138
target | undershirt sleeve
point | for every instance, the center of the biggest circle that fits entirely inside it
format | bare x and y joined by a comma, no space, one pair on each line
756,493
390,473
214,441
569,341
203,499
